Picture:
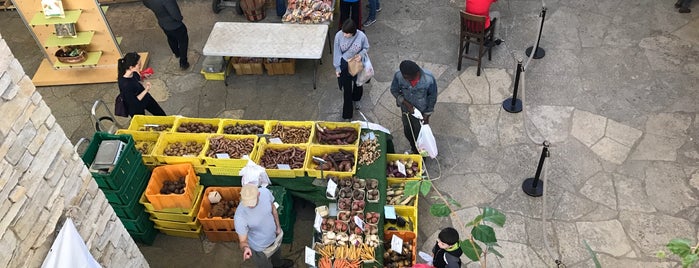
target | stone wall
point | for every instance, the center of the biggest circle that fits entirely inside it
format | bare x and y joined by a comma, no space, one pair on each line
43,181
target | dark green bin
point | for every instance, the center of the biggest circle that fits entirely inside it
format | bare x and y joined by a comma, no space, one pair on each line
146,237
129,158
132,188
141,224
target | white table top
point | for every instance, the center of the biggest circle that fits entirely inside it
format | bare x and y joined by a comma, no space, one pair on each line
266,40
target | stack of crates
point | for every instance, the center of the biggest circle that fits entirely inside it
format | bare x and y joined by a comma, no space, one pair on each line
287,214
123,186
174,214
219,229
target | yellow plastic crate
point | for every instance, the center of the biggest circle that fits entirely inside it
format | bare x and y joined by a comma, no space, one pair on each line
180,233
139,122
233,122
280,173
334,125
214,76
409,214
296,124
175,214
319,151
415,157
392,181
144,136
229,163
223,171
169,138
213,121
184,226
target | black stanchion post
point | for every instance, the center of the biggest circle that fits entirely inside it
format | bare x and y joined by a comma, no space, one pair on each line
514,105
538,52
532,186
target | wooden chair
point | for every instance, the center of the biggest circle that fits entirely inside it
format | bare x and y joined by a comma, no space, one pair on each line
473,31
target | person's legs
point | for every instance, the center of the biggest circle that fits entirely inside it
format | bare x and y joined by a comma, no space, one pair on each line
344,13
372,12
172,42
411,128
182,45
152,106
496,15
357,13
261,260
346,83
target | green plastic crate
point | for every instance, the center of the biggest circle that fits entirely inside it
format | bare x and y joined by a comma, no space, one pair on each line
146,237
129,211
131,189
128,159
141,224
287,215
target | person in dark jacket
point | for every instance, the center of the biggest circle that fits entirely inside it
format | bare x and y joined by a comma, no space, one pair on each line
170,20
446,251
136,97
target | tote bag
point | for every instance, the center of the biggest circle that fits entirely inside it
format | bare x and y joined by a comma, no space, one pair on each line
120,107
355,66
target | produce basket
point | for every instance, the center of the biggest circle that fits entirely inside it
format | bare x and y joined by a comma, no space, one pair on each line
414,157
319,151
393,184
152,123
221,236
274,126
332,129
175,214
409,214
247,65
280,66
218,223
229,162
133,185
212,122
180,233
166,139
409,237
229,124
145,143
172,173
263,148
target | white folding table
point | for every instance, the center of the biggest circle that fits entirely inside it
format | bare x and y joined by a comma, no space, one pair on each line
268,40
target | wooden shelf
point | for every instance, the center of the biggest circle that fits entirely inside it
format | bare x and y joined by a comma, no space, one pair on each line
83,38
92,59
71,17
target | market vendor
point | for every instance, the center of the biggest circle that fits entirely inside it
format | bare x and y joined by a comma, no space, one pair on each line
258,228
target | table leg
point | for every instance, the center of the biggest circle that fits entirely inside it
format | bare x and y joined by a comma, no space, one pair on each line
315,70
227,71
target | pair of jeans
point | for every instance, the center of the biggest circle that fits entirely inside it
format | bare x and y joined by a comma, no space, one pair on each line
411,129
356,13
350,91
373,6
261,260
178,40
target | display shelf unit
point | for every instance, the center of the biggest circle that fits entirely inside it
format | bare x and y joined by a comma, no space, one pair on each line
93,33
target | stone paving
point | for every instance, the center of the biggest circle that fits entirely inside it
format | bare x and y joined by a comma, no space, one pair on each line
615,95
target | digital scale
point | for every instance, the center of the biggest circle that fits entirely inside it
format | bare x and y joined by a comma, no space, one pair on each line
107,156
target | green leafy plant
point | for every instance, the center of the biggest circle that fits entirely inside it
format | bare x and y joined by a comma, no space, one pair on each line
684,249
482,239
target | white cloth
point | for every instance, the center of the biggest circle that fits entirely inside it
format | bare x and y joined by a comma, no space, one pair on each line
254,174
69,250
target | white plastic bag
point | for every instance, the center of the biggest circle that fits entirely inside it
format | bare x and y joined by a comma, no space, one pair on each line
367,73
255,174
426,142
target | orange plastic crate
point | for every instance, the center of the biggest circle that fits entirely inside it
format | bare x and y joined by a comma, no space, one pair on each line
221,236
409,237
172,173
217,223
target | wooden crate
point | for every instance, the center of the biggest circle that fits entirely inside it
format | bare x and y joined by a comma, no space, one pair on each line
246,67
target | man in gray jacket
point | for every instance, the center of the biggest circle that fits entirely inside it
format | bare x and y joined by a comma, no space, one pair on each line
414,88
170,20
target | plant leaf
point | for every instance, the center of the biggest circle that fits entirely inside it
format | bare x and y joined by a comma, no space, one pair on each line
484,233
411,188
494,216
593,254
492,250
475,221
689,260
453,202
660,255
681,247
472,251
439,210
425,187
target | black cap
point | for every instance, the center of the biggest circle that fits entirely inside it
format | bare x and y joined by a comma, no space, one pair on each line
449,236
409,68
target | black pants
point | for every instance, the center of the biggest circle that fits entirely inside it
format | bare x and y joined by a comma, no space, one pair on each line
149,104
350,91
411,128
356,16
179,42
684,3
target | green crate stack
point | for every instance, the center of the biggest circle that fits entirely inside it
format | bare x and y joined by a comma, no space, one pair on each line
287,215
124,185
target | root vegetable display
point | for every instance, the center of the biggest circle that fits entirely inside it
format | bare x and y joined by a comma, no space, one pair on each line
343,215
368,152
145,147
411,169
338,161
308,11
372,217
373,195
344,204
189,148
235,148
327,224
173,186
395,195
197,127
289,134
224,209
292,156
358,205
358,194
153,127
372,184
336,136
243,129
394,260
345,192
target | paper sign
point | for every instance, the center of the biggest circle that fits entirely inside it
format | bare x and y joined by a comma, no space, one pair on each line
223,156
332,188
389,212
397,244
359,222
283,167
275,141
317,222
310,257
332,209
401,167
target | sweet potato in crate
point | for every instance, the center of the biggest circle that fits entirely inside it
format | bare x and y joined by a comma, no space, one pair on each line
212,217
234,147
340,161
293,155
165,175
334,133
292,132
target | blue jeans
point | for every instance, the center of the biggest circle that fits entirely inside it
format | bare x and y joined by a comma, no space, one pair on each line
373,6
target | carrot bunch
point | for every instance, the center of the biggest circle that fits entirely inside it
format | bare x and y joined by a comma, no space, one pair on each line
344,263
325,262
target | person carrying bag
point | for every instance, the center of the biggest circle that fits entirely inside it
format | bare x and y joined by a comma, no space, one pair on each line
349,51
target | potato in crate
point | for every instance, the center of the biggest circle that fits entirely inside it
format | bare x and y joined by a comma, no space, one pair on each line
177,148
152,123
243,127
175,214
409,250
145,143
196,125
411,164
172,186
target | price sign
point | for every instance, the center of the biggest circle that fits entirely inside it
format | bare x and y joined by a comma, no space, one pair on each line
389,212
332,188
401,167
283,167
359,222
397,244
310,257
223,156
275,141
318,220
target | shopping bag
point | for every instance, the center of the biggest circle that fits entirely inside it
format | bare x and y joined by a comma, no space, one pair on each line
120,107
426,142
365,75
354,66
254,174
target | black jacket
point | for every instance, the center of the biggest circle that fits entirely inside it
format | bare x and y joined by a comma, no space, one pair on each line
446,259
167,12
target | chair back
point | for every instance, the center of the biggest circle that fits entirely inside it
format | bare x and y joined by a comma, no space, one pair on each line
472,24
